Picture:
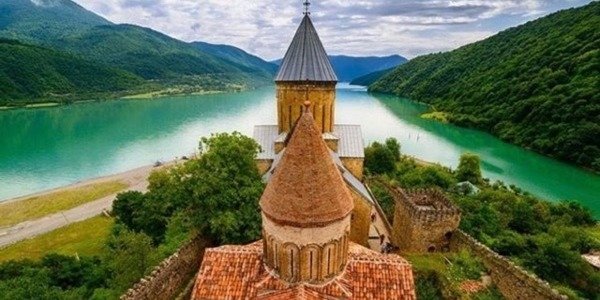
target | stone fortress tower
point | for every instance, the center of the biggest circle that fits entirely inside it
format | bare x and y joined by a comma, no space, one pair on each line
424,220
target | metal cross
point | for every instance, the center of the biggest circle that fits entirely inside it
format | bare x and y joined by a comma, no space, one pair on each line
307,7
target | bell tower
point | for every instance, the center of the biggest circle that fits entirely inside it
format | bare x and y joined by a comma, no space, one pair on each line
306,74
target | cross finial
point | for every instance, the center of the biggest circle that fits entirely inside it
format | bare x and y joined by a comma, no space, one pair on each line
306,7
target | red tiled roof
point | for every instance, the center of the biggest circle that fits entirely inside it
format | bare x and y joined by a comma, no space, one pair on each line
237,272
307,188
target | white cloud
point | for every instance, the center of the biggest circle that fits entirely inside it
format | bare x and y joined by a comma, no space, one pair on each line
375,27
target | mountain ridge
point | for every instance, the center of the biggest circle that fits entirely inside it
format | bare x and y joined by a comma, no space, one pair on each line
348,68
63,25
535,85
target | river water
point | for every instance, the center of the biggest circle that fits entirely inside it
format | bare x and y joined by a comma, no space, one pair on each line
46,148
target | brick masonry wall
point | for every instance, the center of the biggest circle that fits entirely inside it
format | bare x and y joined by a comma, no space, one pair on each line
171,276
354,165
290,104
512,280
361,219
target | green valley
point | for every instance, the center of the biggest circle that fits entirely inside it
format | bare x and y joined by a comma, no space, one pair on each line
88,57
536,85
32,72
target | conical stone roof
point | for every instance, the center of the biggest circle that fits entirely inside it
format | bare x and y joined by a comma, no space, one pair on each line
306,59
306,189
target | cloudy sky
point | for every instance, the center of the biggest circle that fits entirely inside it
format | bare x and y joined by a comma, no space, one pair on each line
360,27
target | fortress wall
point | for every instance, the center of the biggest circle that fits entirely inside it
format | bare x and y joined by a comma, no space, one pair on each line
512,280
171,276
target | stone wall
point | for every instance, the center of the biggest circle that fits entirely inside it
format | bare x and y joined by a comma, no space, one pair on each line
264,165
171,276
290,104
424,220
361,219
512,281
354,165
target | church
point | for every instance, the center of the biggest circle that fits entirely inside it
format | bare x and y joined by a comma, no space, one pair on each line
314,205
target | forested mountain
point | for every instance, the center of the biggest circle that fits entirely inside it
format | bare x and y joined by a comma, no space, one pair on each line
348,68
65,26
536,85
28,71
44,20
147,53
370,78
238,56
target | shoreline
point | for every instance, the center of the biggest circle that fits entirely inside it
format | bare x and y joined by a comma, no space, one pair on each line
131,178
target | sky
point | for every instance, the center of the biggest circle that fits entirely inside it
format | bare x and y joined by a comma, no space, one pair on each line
360,28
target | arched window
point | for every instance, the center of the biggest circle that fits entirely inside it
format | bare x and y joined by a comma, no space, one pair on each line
310,263
291,269
329,260
275,255
448,235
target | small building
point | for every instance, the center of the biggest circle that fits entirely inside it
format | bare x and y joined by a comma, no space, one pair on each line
424,220
306,74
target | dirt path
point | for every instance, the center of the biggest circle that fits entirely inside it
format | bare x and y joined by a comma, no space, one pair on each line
137,180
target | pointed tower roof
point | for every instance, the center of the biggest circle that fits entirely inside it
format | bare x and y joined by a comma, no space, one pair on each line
306,59
307,189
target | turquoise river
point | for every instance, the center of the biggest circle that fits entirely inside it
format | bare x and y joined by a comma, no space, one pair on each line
46,148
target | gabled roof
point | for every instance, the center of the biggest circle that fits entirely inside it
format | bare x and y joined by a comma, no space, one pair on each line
307,188
238,272
306,59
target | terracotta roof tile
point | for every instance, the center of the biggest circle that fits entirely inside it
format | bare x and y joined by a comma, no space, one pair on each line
237,272
306,188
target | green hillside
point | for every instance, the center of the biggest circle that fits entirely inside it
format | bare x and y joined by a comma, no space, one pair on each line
536,85
238,56
169,64
370,78
43,20
32,72
148,53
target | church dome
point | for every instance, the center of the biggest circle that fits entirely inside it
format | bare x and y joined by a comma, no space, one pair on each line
307,189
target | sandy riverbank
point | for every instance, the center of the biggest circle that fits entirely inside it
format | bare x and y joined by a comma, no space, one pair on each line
133,178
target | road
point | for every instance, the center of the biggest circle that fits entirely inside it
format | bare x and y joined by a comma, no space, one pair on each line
136,179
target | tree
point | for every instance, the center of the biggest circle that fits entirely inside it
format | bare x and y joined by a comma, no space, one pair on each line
394,146
126,205
469,168
379,159
129,255
225,186
147,213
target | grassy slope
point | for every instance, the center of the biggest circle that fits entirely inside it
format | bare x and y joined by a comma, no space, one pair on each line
28,72
535,85
39,206
84,238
